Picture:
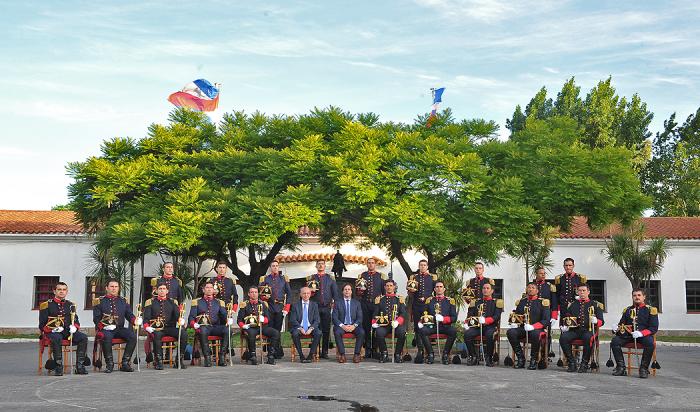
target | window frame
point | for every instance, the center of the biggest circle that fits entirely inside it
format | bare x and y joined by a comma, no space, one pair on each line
603,285
43,295
687,308
659,303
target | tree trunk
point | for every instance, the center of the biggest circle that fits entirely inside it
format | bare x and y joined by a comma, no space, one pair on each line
396,252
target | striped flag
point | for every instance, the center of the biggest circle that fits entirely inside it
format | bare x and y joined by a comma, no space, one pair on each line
198,95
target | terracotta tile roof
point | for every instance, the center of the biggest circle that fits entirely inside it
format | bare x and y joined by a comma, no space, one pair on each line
668,227
312,257
39,222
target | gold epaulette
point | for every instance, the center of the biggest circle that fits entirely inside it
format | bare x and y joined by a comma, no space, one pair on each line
383,276
625,309
310,277
195,302
286,278
452,301
434,277
95,301
545,303
243,304
600,305
584,279
402,299
148,302
412,277
552,288
179,281
557,280
653,310
222,303
517,302
175,302
492,282
44,305
262,280
499,303
378,299
265,304
154,281
428,299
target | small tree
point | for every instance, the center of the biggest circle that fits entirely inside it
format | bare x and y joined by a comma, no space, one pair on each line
639,259
534,251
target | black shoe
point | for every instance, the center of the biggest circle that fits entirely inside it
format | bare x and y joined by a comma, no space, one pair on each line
222,360
207,361
573,367
157,365
533,364
620,370
270,360
253,360
126,367
397,358
324,355
80,369
384,357
431,358
58,371
304,359
180,363
445,359
368,354
583,368
109,366
473,361
419,358
279,354
520,362
488,361
643,372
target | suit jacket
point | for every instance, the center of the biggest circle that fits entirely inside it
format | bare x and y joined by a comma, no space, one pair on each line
297,315
355,312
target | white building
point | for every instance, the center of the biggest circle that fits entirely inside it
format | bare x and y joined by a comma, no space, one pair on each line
38,248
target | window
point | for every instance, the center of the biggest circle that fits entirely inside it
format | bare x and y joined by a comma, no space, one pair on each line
92,290
146,289
498,289
692,296
652,290
597,291
43,288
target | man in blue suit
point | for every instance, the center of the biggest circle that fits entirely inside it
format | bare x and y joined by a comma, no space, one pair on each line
347,318
304,320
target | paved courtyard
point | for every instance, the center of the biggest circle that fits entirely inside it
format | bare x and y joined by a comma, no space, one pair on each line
370,386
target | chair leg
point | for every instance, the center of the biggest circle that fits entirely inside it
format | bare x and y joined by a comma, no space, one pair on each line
41,358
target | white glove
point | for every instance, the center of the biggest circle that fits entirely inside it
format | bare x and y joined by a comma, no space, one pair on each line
108,327
554,323
229,321
375,325
529,327
138,321
72,329
482,320
285,313
578,297
150,329
395,324
246,326
564,328
420,325
261,318
513,325
439,317
57,329
196,325
181,322
637,334
593,320
465,325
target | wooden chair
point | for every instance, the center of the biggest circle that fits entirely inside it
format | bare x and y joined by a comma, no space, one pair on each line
66,347
348,337
496,355
630,349
118,344
577,349
308,339
214,345
243,347
169,345
542,359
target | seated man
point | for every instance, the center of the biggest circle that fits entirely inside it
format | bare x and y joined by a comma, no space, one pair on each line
535,314
347,318
109,313
162,316
639,323
586,315
254,316
56,323
304,320
483,316
208,316
389,320
444,312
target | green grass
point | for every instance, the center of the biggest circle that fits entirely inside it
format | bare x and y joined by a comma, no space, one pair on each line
19,336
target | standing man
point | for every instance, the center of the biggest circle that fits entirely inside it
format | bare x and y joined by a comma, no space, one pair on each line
566,286
589,315
390,314
547,290
55,323
369,286
338,264
224,286
483,317
278,301
347,318
253,318
638,322
536,315
476,284
444,311
109,312
174,284
420,287
208,317
304,320
326,294
162,316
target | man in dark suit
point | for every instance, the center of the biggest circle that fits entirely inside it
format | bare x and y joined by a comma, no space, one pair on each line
347,318
304,320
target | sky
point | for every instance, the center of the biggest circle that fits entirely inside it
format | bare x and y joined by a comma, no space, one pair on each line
74,73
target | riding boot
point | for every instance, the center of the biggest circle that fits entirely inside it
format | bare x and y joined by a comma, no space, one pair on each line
109,360
646,359
80,358
620,369
584,366
571,359
520,357
533,364
57,357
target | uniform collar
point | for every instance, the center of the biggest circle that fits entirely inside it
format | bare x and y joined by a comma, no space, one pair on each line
488,298
111,296
218,276
208,298
253,302
168,276
440,298
390,295
59,301
570,276
274,274
540,282
161,300
531,297
321,274
479,277
641,305
424,274
585,300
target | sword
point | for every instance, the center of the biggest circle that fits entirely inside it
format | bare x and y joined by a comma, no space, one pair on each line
138,360
230,345
70,338
179,335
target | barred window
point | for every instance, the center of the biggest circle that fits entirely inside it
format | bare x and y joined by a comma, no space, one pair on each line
43,289
692,296
93,290
597,288
652,291
498,289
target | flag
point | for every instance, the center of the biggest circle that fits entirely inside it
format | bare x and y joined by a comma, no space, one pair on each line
437,99
197,95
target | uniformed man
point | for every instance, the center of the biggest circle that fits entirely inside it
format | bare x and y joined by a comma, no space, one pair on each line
369,285
279,300
420,286
536,314
547,290
224,286
174,284
589,315
109,312
162,318
390,314
326,294
476,284
444,315
56,323
638,322
208,317
566,285
254,316
483,317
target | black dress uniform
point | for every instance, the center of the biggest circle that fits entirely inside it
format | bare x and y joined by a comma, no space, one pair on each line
585,331
546,290
214,311
384,306
539,314
425,285
114,310
374,284
162,315
477,283
491,309
446,307
566,291
225,289
644,319
174,287
281,294
257,308
326,294
57,313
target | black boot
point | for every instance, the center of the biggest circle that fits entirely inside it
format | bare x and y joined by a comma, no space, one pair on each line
646,359
445,359
397,358
584,367
126,366
384,357
222,358
253,360
157,364
572,361
620,369
520,361
488,360
207,361
57,357
533,364
180,362
431,358
109,360
80,358
419,357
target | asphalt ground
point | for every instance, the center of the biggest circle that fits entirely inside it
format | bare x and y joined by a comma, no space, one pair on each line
369,386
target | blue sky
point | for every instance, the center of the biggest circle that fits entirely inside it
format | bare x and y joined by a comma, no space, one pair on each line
76,73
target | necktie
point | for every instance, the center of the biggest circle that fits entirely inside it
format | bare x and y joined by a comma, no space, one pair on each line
305,317
347,313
